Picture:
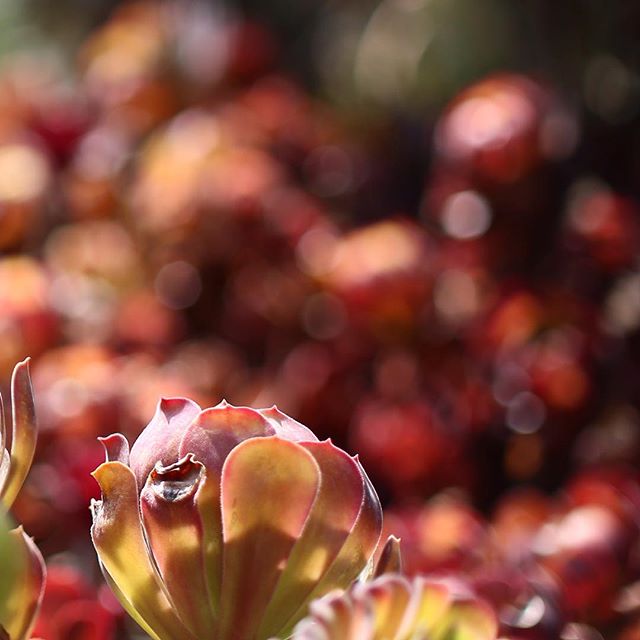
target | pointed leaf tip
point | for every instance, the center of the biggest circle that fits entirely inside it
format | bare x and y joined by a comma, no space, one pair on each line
116,448
172,407
286,427
390,560
24,431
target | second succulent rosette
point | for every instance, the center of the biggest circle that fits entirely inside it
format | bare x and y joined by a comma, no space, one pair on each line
227,522
393,607
22,569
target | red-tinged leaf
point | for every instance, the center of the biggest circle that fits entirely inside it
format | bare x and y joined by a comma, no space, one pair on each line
119,540
23,442
218,430
21,604
175,534
355,552
160,439
331,521
269,487
210,438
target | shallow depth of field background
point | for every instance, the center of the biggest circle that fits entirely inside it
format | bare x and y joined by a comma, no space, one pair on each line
414,225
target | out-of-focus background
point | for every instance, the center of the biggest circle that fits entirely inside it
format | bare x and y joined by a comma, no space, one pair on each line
414,225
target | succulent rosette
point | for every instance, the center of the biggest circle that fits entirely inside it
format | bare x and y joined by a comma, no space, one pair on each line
392,607
22,570
225,523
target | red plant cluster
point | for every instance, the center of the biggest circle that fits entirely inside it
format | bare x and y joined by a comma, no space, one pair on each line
549,566
181,218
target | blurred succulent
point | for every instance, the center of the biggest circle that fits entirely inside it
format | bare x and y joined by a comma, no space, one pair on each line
22,571
392,607
226,522
28,322
381,272
73,607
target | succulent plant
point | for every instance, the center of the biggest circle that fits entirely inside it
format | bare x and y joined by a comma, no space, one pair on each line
22,570
226,522
392,607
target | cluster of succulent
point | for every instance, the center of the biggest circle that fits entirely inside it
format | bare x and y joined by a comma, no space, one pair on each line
454,295
229,522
